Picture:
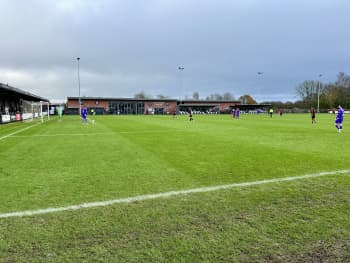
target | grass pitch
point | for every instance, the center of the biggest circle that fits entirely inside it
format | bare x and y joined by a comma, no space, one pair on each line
58,164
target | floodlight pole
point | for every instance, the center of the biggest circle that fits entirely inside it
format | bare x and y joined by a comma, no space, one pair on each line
180,70
260,73
318,94
78,59
41,112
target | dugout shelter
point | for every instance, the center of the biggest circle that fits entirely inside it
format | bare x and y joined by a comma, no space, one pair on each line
14,103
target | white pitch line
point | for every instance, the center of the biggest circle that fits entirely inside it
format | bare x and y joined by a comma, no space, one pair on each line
96,133
164,195
63,134
13,133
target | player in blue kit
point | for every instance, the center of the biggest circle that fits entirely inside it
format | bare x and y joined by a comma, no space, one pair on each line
238,113
339,119
233,112
84,115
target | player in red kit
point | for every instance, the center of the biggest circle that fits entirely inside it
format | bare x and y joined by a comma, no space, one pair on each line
190,113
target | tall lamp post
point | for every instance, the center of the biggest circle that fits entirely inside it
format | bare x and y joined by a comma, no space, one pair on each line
78,59
318,94
260,73
180,70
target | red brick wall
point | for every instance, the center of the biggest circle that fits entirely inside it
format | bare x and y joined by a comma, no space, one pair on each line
169,106
72,103
89,104
96,104
223,105
226,105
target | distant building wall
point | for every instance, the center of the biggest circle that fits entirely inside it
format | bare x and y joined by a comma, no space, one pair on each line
223,105
167,106
89,103
149,106
96,104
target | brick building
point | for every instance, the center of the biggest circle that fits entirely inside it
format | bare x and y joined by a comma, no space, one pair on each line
208,105
122,105
146,106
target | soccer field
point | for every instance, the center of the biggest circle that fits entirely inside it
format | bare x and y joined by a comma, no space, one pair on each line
147,186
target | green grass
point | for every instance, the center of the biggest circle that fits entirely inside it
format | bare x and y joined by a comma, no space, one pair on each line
64,163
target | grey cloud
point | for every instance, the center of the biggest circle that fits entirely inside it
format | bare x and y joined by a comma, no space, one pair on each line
128,46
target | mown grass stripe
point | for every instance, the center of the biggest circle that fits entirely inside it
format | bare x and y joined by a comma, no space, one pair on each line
165,195
21,130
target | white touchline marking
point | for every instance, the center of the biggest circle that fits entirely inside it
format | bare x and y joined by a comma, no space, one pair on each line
164,195
96,133
63,134
13,133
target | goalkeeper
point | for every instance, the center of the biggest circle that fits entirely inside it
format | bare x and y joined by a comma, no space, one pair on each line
59,113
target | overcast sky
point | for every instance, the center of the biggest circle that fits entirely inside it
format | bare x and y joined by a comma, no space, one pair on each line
136,45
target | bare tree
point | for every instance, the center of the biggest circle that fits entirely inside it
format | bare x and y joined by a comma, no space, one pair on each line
227,96
337,95
308,90
141,95
343,80
160,96
215,96
247,99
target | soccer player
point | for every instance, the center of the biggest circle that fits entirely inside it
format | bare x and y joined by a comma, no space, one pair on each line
339,119
59,112
313,115
233,112
190,113
84,114
238,113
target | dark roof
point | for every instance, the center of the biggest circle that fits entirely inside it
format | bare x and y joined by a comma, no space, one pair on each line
166,99
5,89
119,99
210,101
198,105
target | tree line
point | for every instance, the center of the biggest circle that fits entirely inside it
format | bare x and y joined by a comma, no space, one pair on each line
328,95
227,96
314,92
310,93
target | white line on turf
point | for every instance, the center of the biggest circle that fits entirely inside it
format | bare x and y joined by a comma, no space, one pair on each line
99,133
13,133
164,195
63,134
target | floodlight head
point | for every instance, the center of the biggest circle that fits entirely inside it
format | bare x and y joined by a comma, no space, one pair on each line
78,58
260,73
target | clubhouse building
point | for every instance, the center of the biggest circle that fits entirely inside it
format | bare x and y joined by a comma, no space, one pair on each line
17,104
102,105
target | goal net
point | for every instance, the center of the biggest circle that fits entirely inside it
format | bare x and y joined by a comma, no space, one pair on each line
35,110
